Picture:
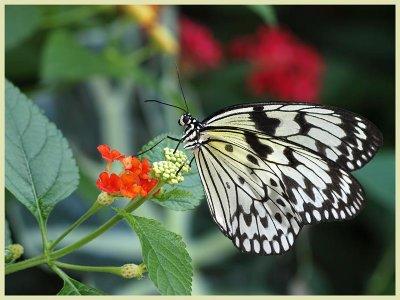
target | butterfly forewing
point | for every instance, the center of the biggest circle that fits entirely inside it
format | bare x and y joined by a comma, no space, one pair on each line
343,137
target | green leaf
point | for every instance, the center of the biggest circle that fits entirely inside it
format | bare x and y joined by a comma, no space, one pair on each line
8,239
64,59
188,193
40,170
74,287
378,178
165,255
177,199
21,22
266,12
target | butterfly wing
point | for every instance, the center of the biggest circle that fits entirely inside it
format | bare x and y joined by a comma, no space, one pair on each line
341,136
262,190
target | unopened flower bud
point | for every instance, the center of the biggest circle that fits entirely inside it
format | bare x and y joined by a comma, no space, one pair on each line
105,199
16,251
133,271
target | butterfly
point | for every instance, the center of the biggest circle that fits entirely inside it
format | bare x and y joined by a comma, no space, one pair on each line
268,169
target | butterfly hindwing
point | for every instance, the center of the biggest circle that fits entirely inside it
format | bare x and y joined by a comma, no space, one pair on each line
261,190
254,214
343,137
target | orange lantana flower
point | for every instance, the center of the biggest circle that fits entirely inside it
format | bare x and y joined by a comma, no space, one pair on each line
109,183
109,154
133,181
130,185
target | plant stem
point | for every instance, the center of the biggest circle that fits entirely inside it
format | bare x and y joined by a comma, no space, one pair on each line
28,263
64,277
110,223
91,211
104,269
38,260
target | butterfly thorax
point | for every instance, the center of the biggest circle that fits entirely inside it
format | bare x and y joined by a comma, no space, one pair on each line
192,127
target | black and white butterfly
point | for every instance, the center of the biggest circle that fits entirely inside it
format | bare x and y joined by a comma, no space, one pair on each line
270,168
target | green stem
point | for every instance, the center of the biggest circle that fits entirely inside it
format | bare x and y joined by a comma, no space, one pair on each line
104,269
110,223
38,260
28,263
64,277
91,211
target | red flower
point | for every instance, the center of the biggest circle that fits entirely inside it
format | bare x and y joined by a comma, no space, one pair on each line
130,185
199,49
283,66
133,181
108,154
109,183
148,184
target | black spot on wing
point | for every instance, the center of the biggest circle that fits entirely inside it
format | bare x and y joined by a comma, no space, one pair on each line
280,202
263,123
252,159
229,148
278,217
253,141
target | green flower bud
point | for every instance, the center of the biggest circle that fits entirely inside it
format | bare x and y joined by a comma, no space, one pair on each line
105,199
16,251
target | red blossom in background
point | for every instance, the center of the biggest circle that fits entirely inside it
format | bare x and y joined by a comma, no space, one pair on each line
283,66
199,49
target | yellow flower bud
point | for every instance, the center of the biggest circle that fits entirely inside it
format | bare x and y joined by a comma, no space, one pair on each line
133,271
16,250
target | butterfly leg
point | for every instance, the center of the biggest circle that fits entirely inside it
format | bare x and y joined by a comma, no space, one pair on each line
180,168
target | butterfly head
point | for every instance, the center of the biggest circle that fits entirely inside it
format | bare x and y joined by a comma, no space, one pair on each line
186,119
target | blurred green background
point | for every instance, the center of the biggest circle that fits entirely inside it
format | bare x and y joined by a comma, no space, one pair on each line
91,67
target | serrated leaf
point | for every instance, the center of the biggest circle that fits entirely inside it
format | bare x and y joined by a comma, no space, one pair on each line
40,170
164,253
21,22
177,199
74,287
191,183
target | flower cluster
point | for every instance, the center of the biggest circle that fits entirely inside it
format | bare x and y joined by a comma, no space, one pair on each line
199,49
171,169
134,180
282,65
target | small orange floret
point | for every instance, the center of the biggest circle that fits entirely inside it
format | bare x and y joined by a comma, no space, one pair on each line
132,164
130,185
148,184
109,183
109,154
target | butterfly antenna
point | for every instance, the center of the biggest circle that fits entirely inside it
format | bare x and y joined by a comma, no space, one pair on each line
152,100
180,86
